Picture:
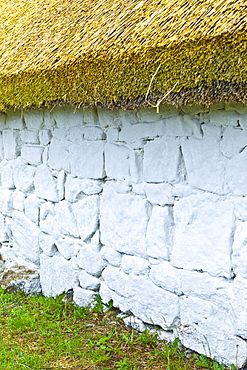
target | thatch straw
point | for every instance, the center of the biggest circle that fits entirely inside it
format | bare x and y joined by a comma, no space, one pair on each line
89,51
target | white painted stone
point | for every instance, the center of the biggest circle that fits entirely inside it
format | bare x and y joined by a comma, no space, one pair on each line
33,119
66,116
198,243
139,189
8,229
65,219
134,265
127,116
75,189
165,169
108,117
240,204
210,131
239,255
233,142
6,202
7,176
236,175
11,148
165,276
139,293
14,120
87,160
90,116
32,154
18,200
117,161
183,190
45,136
136,166
24,177
238,107
206,287
75,134
47,245
32,208
45,184
25,238
58,133
178,126
132,133
90,261
86,213
111,256
68,247
56,275
3,234
48,222
205,164
60,185
59,155
29,136
88,281
200,321
128,215
93,133
83,297
224,118
1,145
238,302
45,155
159,236
149,115
160,194
112,134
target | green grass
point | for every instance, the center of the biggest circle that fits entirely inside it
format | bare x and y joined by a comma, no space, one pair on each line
41,333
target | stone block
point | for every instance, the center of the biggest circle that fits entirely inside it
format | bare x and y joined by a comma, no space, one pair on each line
59,155
83,297
128,215
7,176
161,160
33,119
87,160
14,120
238,302
3,233
239,250
198,244
18,200
134,265
90,116
159,235
11,147
86,213
45,184
179,126
56,275
66,116
149,115
108,117
205,164
111,256
240,204
236,175
61,178
47,245
32,154
24,177
75,134
48,222
93,133
45,136
65,219
29,136
165,276
233,141
90,261
117,161
224,118
6,202
112,134
32,208
88,281
68,247
132,133
3,118
160,194
25,238
76,189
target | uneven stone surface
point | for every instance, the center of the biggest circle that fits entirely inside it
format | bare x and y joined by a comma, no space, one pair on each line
147,209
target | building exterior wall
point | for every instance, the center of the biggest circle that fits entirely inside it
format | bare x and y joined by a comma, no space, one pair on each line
148,209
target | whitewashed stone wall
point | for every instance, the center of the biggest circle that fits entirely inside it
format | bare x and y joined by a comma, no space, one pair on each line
147,209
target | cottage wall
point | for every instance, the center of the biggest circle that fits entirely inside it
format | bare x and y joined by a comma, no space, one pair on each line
148,209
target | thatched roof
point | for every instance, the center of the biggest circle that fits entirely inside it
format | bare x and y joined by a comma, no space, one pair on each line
124,53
